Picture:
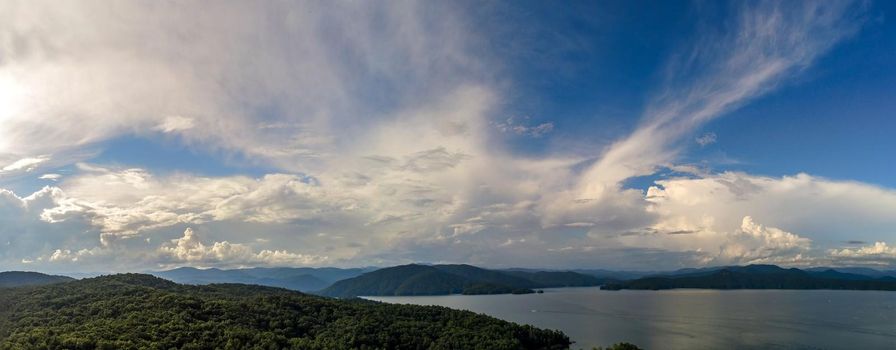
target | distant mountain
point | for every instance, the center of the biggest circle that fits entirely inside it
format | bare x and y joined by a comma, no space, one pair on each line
759,277
857,270
631,275
561,278
21,279
135,311
453,279
301,279
614,275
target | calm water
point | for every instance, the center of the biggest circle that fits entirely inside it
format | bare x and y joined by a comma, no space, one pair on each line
696,319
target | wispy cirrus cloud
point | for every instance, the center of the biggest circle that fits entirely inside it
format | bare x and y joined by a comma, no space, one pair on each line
770,42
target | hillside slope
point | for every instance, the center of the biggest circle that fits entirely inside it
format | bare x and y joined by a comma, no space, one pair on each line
141,311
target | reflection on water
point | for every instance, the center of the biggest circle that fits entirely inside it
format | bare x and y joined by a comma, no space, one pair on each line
696,319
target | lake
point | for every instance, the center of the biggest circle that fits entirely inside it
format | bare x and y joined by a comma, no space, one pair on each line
696,319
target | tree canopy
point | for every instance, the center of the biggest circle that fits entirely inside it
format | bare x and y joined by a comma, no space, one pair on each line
143,312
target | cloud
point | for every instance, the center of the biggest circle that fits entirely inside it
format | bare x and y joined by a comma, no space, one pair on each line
512,126
25,164
175,123
770,42
706,139
190,250
23,234
66,255
50,176
879,254
417,176
124,202
802,203
755,243
381,222
243,66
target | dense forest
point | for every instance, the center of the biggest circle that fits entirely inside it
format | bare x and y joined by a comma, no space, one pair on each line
453,279
144,312
760,277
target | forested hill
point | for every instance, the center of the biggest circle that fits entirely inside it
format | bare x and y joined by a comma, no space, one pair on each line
760,277
20,279
452,279
145,312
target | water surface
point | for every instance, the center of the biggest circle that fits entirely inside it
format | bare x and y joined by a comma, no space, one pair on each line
696,319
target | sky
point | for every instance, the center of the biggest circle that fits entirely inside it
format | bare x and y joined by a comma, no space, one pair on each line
138,135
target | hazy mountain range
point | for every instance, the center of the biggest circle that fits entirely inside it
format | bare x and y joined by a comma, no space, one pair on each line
762,277
419,279
301,279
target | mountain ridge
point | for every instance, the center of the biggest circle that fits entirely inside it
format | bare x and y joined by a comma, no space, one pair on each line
417,279
759,277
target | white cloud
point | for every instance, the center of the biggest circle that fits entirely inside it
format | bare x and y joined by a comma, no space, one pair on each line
123,203
189,250
706,139
685,221
66,255
415,179
770,43
175,123
879,254
878,249
755,243
512,126
25,164
50,176
242,66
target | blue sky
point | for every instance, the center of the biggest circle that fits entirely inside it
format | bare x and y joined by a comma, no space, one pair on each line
502,134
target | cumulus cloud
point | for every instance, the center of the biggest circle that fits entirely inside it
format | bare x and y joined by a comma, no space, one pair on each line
190,250
66,255
686,221
124,202
757,243
877,254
